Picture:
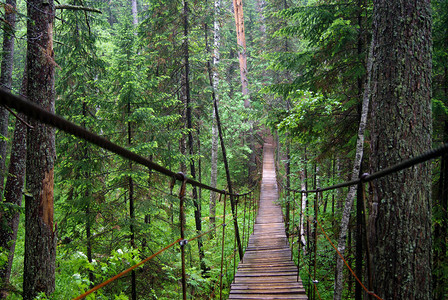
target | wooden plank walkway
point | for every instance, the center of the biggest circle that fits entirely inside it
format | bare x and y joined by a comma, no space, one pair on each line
266,271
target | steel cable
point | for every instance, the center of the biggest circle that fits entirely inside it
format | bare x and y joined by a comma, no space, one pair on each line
38,113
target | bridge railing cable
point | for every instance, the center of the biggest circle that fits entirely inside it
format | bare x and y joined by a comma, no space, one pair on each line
424,157
364,178
34,111
182,242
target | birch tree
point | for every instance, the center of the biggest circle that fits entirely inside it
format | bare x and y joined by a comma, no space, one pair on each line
215,89
338,283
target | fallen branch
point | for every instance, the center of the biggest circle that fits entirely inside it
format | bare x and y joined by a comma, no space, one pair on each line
76,7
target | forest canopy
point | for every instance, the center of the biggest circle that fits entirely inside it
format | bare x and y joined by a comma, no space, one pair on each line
155,77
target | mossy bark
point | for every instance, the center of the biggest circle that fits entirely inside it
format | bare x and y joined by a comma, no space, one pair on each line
40,234
400,214
9,25
13,195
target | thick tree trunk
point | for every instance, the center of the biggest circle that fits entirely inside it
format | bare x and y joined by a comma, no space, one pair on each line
13,195
441,222
6,78
40,235
400,219
215,86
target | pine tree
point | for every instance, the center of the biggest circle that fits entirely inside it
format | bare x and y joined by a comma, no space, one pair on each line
41,235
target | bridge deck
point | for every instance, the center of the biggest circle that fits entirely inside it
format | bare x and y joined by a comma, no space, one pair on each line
267,271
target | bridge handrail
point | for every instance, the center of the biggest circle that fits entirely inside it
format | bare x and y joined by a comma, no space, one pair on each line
36,112
428,155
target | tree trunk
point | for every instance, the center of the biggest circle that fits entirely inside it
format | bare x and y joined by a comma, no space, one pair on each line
131,205
13,195
441,229
261,4
215,86
6,78
303,178
441,222
338,282
241,41
400,219
40,235
196,202
134,12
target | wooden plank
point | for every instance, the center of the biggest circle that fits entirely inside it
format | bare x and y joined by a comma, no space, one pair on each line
266,270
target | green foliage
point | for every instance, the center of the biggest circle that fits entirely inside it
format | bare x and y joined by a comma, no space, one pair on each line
301,119
330,61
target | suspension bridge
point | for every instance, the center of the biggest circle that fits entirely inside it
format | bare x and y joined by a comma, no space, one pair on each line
266,271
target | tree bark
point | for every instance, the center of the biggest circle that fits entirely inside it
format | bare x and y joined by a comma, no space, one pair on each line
338,282
215,84
13,195
40,235
303,185
241,40
288,187
400,219
441,229
6,78
134,12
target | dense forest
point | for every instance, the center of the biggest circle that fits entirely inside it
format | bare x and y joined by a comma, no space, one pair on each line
344,87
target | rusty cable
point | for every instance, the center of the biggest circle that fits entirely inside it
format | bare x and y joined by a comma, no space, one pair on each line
350,269
126,271
312,279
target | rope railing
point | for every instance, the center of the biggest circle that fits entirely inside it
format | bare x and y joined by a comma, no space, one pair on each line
364,178
424,157
182,242
36,112
314,281
345,262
